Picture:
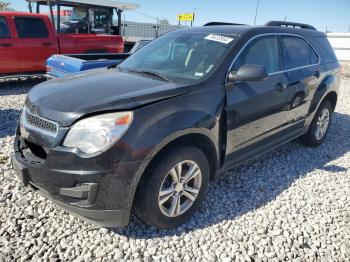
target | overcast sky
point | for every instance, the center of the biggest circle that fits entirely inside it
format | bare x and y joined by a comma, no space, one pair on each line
333,14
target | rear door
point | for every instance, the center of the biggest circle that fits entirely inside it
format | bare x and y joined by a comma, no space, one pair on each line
36,42
8,49
301,74
255,109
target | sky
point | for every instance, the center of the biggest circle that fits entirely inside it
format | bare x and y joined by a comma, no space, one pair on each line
331,14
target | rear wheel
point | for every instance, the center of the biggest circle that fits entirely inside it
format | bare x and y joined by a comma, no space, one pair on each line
319,126
171,192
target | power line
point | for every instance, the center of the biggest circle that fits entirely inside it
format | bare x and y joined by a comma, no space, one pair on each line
141,13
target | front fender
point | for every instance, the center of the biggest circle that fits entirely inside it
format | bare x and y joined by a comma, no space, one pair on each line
167,121
155,134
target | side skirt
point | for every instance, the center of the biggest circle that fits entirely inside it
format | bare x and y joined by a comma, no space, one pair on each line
263,146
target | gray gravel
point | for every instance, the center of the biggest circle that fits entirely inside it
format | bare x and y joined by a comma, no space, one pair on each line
292,204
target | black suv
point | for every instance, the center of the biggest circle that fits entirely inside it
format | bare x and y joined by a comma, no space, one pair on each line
151,133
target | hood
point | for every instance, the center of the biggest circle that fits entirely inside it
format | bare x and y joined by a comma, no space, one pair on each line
68,99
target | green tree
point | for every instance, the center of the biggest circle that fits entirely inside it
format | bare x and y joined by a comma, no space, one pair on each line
4,5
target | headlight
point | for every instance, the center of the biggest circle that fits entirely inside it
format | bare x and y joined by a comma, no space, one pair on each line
97,133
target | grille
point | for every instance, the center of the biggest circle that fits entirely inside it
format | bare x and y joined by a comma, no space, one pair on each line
41,123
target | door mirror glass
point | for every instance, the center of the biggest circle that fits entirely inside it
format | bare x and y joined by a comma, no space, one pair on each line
248,73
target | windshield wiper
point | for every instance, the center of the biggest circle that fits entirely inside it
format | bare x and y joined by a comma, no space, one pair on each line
151,73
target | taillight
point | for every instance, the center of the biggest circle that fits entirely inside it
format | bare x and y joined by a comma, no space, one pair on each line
48,69
120,49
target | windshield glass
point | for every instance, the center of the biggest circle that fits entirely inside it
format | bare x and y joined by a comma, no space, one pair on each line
180,56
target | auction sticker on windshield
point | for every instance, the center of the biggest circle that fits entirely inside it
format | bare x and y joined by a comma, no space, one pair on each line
219,38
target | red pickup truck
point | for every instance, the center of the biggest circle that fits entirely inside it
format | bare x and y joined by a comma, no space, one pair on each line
28,40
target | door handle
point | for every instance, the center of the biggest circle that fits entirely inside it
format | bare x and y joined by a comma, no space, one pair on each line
317,74
281,86
6,45
47,44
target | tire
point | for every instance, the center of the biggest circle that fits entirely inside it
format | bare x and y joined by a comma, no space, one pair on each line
312,138
149,206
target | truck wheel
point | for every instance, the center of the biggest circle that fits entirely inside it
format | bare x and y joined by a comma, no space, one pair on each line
171,192
319,126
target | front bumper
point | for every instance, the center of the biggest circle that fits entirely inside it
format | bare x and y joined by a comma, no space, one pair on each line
104,218
102,197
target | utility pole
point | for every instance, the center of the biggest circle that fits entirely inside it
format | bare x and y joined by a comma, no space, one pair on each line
123,23
194,16
256,11
30,6
157,28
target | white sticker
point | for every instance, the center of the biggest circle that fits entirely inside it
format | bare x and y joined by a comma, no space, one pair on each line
219,38
198,74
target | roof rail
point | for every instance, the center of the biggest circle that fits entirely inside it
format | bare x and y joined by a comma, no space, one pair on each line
290,24
220,23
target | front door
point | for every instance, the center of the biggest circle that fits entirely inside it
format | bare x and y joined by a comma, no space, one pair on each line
8,49
35,41
255,109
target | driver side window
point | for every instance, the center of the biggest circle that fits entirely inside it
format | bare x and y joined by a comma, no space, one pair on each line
4,31
262,51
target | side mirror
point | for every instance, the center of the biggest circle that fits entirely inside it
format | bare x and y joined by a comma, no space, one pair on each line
248,73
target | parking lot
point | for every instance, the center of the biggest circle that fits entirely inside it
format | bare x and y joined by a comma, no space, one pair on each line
289,204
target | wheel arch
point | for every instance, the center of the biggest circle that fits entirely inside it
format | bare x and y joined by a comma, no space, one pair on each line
332,97
197,139
326,90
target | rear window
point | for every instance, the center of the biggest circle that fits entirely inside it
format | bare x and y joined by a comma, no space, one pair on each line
4,31
325,49
28,27
298,52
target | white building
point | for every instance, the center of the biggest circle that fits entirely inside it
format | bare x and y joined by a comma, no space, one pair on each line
341,44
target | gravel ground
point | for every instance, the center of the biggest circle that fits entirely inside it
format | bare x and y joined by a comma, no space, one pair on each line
292,204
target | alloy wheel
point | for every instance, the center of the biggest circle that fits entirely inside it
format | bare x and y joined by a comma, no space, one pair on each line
180,188
322,124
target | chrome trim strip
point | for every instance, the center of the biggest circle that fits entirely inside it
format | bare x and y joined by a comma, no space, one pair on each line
275,34
34,128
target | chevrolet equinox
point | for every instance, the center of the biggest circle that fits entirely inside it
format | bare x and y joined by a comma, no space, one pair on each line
152,132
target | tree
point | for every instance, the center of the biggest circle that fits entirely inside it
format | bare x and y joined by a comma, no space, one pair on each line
164,21
4,5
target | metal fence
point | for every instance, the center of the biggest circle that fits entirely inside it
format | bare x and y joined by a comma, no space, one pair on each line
134,31
341,45
146,31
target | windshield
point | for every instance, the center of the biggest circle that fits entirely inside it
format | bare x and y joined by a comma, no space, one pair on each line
180,56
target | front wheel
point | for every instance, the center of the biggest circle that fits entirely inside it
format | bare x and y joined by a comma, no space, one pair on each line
319,126
172,190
